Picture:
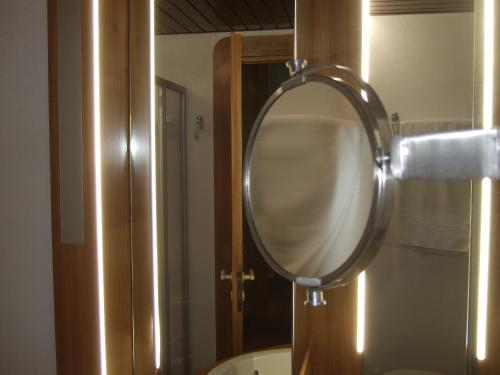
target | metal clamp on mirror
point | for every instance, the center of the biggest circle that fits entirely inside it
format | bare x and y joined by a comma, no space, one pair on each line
320,170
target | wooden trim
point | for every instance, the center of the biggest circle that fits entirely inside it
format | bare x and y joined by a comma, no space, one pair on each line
267,49
222,197
236,185
74,266
140,116
114,67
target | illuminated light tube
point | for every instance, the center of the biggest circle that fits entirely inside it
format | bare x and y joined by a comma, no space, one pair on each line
360,331
365,41
154,221
485,205
365,74
98,190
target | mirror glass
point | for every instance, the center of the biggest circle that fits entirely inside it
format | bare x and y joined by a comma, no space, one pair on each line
218,297
311,180
421,66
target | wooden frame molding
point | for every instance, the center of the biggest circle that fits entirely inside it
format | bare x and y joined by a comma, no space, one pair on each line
140,175
75,266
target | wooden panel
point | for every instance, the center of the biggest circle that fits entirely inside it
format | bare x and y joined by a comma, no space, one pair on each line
171,10
74,267
262,13
420,6
260,49
228,192
279,14
245,14
211,14
236,186
328,32
168,20
194,15
114,69
142,280
227,14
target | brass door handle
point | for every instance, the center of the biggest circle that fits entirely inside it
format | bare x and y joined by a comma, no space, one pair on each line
250,276
226,276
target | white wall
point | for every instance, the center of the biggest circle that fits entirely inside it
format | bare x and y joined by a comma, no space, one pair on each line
27,344
188,61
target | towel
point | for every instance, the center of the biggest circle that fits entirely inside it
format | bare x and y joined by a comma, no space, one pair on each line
433,215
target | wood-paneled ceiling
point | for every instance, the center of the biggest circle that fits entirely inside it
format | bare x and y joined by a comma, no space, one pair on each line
208,16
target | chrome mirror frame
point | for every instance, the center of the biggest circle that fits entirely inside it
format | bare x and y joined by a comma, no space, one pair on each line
372,113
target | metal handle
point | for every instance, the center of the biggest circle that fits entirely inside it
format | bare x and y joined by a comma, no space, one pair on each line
226,276
250,276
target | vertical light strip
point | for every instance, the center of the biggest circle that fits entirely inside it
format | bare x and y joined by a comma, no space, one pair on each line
154,221
365,41
365,74
360,330
98,190
485,225
295,47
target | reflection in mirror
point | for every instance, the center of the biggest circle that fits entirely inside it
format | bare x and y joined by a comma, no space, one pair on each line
311,180
255,306
421,65
416,316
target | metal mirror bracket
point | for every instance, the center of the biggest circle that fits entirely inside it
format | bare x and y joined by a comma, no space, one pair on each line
458,155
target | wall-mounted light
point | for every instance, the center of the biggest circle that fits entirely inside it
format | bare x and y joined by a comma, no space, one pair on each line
365,74
154,221
96,81
485,205
360,319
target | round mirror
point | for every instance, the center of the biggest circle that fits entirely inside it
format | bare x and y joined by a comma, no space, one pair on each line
317,185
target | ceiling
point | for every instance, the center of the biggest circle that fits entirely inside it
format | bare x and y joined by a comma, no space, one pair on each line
208,16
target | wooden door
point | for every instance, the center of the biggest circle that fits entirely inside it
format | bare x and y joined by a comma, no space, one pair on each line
228,195
229,56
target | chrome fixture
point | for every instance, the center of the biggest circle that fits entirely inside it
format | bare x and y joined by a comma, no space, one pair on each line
296,66
320,171
315,298
198,126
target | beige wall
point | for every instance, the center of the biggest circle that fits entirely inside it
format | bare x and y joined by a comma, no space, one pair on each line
27,344
422,68
421,65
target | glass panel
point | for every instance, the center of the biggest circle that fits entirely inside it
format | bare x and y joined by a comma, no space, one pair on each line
172,246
